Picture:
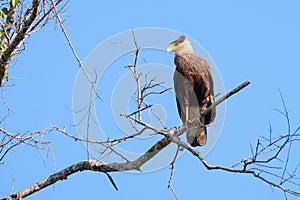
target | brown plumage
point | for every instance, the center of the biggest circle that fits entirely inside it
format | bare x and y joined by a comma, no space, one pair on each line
194,89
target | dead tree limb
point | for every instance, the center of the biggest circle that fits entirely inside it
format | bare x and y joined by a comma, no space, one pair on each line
229,169
97,166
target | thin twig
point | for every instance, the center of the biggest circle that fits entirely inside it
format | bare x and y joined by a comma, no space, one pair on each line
172,173
228,169
70,43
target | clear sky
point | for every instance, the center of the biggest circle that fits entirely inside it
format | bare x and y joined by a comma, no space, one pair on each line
257,41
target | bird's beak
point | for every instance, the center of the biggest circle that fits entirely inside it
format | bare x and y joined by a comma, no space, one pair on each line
172,47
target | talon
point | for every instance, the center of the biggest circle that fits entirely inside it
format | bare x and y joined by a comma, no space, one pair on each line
207,99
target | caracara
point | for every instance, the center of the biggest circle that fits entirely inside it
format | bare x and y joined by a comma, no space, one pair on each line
194,89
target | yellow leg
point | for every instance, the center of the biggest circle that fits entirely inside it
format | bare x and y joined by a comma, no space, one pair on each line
186,115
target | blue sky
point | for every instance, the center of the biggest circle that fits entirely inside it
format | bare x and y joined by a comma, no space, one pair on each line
257,41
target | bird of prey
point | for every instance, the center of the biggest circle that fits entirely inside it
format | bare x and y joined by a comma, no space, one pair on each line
194,90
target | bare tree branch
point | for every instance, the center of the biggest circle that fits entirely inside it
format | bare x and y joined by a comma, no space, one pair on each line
91,165
94,165
228,169
10,141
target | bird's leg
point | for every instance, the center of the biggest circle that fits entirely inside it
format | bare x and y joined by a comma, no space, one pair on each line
186,104
186,116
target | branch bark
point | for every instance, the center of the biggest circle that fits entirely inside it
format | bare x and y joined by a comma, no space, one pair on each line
91,165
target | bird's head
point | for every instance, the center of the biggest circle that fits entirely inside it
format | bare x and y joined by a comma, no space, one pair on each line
180,46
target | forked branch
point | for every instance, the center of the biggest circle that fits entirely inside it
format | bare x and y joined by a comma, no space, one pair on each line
98,166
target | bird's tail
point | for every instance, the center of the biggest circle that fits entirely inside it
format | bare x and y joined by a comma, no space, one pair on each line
197,136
